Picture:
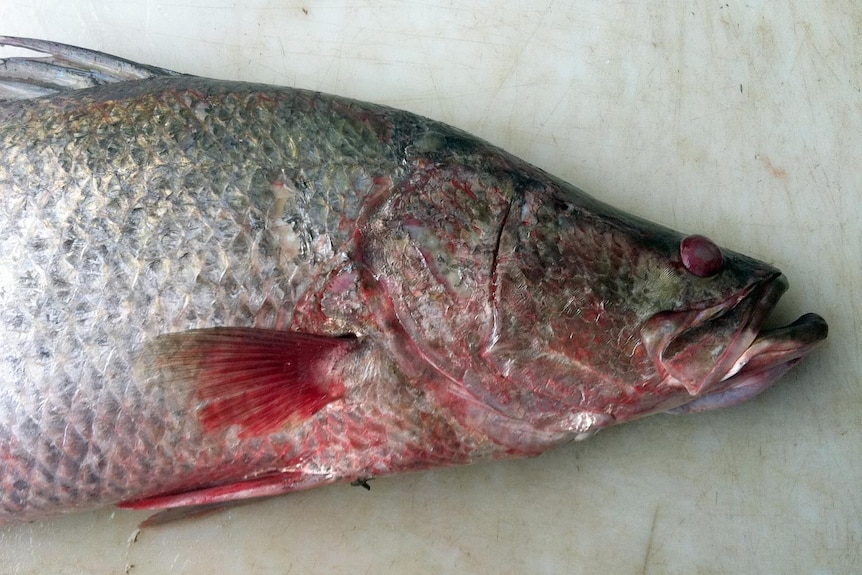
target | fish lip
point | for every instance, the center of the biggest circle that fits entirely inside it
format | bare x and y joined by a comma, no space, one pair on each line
780,346
745,348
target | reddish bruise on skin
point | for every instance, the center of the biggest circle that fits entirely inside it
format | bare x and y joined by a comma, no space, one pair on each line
464,187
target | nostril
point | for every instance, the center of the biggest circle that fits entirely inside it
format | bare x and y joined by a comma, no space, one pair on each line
701,256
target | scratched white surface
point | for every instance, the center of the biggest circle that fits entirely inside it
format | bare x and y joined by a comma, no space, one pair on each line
738,120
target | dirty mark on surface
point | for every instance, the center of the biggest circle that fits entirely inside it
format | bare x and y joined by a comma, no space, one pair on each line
775,171
648,554
133,538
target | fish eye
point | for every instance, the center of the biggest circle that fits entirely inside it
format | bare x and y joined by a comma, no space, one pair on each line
701,256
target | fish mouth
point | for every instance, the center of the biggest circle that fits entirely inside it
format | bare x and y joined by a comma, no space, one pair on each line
719,352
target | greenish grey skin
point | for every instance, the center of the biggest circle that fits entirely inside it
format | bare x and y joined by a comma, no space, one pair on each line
493,311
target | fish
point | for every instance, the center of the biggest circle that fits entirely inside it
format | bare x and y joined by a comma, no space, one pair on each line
214,292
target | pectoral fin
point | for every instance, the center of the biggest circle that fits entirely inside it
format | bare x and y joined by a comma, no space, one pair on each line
259,380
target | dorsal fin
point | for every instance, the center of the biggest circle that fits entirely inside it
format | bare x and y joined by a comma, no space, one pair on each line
64,68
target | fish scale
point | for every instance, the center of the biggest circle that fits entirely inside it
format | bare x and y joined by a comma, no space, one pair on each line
212,291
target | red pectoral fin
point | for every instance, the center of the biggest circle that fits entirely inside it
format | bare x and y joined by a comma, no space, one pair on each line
260,380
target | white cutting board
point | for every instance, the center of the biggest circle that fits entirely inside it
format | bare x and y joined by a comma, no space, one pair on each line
741,121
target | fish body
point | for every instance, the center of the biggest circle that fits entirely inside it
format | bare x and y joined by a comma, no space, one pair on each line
212,291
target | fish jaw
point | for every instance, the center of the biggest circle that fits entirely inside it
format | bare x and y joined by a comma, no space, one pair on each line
768,358
719,354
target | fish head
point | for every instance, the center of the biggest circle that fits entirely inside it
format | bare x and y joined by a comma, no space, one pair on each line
600,317
551,315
